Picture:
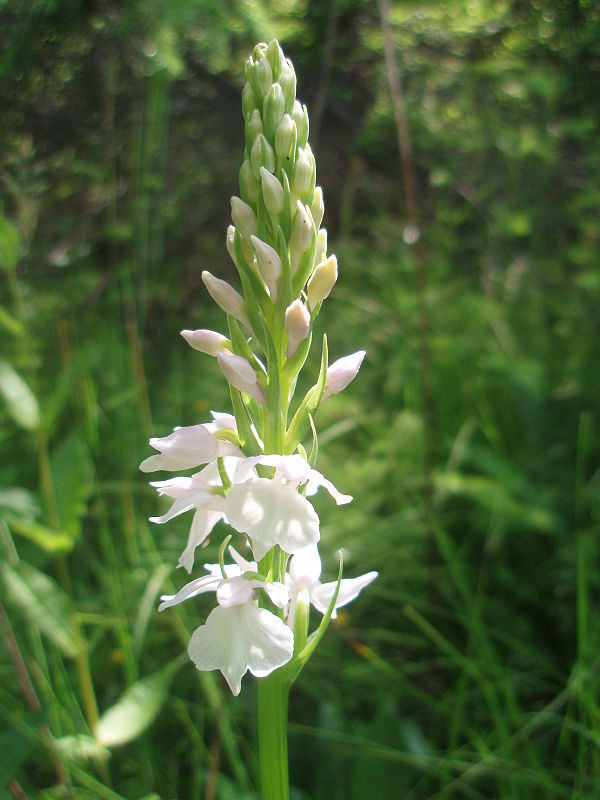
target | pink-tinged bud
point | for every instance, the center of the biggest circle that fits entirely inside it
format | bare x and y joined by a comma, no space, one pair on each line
302,229
269,264
341,373
322,281
230,242
297,326
239,373
209,342
226,297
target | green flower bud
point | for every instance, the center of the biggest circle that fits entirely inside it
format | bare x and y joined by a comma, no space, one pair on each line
243,217
269,264
249,186
287,80
285,136
317,207
322,281
248,104
259,51
254,126
273,110
261,155
263,75
272,192
302,229
302,175
276,58
300,117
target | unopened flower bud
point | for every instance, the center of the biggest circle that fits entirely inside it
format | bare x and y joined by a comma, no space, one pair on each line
287,81
272,192
226,297
261,155
248,104
230,242
275,55
239,373
249,186
259,51
302,229
285,136
269,264
243,217
302,175
322,281
255,126
297,326
317,207
263,74
273,110
341,373
321,250
300,117
205,341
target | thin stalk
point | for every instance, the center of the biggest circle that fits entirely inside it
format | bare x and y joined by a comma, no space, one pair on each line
273,694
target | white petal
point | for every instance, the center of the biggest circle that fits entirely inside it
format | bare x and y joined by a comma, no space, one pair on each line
203,522
208,583
278,593
234,592
271,514
184,448
316,479
305,569
350,588
189,500
241,638
243,565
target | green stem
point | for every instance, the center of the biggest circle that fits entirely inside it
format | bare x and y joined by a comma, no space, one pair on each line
272,736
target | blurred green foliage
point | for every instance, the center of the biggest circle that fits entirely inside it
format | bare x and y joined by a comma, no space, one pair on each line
471,668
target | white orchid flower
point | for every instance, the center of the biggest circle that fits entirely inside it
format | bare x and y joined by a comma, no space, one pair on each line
198,492
303,577
238,635
191,446
271,511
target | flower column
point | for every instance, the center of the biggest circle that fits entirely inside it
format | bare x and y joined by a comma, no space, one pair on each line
257,474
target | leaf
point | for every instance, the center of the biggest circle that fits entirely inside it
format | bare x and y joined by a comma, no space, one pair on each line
42,602
72,477
49,539
16,743
136,709
19,400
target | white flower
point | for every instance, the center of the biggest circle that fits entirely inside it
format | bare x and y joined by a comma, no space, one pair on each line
303,576
237,636
272,511
198,492
191,446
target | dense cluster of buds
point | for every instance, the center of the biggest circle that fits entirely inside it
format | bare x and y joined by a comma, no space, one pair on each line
256,475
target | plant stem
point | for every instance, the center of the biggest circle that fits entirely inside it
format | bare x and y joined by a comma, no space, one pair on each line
272,736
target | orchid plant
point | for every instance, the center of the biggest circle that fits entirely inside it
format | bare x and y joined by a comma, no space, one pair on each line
255,473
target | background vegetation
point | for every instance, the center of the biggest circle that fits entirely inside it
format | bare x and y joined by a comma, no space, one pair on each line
470,440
